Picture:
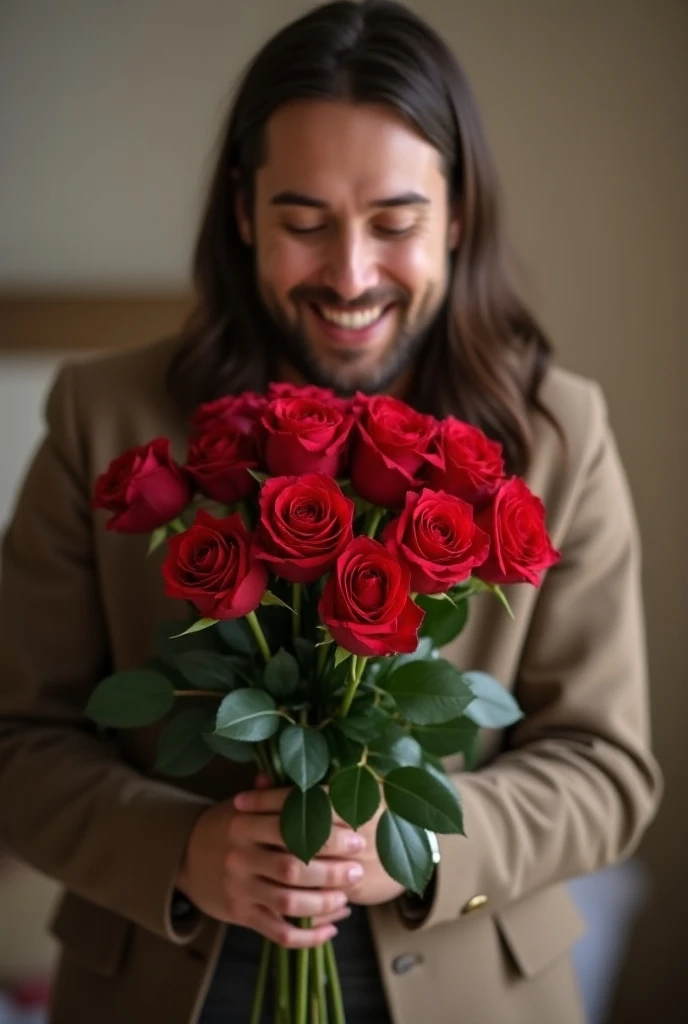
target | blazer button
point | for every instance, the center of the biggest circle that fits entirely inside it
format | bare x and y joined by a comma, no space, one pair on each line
474,903
406,962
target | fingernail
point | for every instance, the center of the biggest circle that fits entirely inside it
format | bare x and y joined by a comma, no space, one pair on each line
355,843
340,901
355,874
242,801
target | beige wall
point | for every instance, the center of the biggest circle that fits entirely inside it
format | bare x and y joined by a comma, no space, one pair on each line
110,110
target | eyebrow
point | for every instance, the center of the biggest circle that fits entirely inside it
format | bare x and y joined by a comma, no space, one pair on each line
390,202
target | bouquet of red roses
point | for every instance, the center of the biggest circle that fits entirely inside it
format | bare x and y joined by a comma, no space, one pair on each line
328,548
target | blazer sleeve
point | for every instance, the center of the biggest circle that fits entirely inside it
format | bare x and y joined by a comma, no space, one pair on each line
69,806
577,784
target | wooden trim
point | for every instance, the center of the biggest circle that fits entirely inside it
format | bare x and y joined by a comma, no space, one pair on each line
45,322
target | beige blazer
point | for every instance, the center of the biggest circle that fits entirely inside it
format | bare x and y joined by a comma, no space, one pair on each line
573,790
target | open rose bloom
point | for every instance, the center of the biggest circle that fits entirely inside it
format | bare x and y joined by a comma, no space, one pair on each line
322,551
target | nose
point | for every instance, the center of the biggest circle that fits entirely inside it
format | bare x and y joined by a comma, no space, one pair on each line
350,267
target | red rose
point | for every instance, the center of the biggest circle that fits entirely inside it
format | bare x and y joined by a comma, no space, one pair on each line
241,411
392,440
211,564
304,435
436,537
366,603
218,461
465,462
305,523
144,487
283,389
520,549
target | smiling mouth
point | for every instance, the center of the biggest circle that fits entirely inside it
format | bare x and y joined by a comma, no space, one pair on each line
352,320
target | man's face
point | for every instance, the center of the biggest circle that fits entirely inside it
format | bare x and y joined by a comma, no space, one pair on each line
351,231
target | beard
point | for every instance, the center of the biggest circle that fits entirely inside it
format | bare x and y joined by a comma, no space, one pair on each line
289,342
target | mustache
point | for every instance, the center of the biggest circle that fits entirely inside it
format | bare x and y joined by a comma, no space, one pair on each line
329,297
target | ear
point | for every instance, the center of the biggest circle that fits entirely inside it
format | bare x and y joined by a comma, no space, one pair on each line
241,212
454,233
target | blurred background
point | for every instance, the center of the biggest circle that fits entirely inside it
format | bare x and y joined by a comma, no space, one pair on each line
108,118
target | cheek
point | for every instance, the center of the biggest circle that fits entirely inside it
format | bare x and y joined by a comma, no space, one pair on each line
417,265
283,263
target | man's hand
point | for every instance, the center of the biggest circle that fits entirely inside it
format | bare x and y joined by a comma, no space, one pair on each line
375,886
237,869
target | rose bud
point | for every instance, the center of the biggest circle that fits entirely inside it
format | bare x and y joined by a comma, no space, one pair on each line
305,524
212,566
144,488
520,549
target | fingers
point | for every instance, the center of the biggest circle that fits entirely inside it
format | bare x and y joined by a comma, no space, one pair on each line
261,801
339,915
287,902
290,935
264,829
320,873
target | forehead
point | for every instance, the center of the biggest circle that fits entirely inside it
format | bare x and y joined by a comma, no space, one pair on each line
331,149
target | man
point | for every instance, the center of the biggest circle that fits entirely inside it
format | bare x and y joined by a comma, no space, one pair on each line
352,239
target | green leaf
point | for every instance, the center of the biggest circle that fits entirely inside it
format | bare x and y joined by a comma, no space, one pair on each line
443,620
282,675
234,750
236,635
257,475
158,537
429,692
343,751
206,670
457,736
493,706
247,714
306,655
181,748
415,795
340,655
355,795
197,626
169,644
394,749
305,755
501,597
404,851
365,725
131,698
306,822
272,599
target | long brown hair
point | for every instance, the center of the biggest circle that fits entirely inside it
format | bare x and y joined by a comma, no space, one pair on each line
486,354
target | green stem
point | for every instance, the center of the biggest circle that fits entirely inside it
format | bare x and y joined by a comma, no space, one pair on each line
261,983
373,521
322,658
302,964
177,525
335,987
263,759
297,594
277,774
283,1001
318,956
358,664
258,633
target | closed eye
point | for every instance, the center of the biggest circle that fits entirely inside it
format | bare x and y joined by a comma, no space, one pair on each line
386,232
294,230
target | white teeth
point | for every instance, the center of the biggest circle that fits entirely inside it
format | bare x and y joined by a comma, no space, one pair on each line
353,321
